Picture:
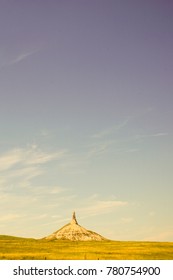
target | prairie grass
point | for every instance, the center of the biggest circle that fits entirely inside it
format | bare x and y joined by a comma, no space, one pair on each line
15,248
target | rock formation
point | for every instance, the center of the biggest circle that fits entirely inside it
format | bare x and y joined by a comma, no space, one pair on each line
74,232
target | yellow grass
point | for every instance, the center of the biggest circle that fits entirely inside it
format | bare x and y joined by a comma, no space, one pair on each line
14,248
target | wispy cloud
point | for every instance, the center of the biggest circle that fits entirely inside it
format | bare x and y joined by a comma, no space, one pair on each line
132,150
9,217
22,56
39,217
27,157
17,58
98,149
111,130
103,140
127,220
157,234
10,159
45,133
73,163
41,158
48,191
19,167
159,134
25,172
97,206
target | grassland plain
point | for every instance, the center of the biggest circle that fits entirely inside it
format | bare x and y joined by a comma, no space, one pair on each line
16,248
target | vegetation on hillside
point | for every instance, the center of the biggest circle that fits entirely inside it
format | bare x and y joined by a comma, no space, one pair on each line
15,248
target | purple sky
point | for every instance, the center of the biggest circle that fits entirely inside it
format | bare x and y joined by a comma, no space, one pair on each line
86,113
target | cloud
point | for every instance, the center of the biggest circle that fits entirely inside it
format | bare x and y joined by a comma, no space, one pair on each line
159,134
48,191
10,159
111,130
9,217
104,139
22,56
39,217
127,220
73,164
56,190
157,234
12,59
152,213
98,149
96,206
39,157
133,150
27,157
26,172
18,168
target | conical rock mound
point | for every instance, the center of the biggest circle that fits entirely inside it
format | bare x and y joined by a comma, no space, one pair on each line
74,232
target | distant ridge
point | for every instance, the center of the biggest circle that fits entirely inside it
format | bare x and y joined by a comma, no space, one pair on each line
74,232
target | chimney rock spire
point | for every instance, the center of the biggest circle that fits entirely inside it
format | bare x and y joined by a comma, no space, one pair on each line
74,221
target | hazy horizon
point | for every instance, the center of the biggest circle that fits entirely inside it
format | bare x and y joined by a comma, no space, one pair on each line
86,117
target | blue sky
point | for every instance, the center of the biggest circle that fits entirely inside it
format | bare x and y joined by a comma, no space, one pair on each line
86,117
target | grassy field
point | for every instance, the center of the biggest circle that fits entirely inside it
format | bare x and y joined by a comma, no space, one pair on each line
15,248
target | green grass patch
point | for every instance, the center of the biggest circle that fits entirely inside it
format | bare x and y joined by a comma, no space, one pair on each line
16,248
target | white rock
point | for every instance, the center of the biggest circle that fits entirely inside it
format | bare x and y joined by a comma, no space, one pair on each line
74,232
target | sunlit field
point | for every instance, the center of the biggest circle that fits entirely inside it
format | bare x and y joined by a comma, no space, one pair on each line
14,248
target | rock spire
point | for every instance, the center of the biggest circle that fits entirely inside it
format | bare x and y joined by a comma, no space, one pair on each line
73,220
74,232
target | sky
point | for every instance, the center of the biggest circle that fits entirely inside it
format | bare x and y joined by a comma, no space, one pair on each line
86,98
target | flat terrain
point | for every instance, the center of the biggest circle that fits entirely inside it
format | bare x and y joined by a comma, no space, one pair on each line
15,248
